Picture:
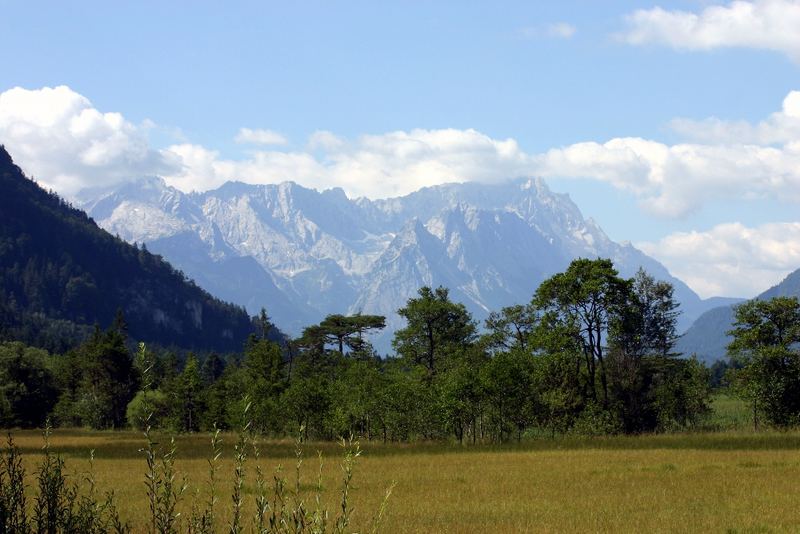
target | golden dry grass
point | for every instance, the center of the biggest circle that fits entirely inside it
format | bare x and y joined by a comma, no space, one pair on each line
721,482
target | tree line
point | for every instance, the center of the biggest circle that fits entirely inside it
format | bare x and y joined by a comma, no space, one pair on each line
591,353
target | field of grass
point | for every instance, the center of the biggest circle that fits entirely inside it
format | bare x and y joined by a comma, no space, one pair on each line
730,413
718,482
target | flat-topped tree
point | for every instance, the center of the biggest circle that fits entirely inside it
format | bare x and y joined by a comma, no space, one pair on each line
342,331
361,326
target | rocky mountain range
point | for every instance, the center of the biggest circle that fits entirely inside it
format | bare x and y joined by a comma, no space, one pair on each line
304,254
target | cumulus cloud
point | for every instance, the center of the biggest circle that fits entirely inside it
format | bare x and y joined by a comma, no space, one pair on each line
376,166
260,137
730,259
761,24
780,127
675,180
58,137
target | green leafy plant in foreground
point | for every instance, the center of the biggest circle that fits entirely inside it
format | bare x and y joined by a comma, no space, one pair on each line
59,506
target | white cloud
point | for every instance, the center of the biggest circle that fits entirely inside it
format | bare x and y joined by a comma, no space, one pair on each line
675,180
761,24
780,127
260,137
383,165
58,137
325,140
730,259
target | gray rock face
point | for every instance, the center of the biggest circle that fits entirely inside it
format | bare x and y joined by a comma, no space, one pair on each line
303,254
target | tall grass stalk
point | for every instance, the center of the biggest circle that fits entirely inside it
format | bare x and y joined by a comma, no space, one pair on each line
213,469
319,519
240,456
376,521
51,507
171,492
299,512
262,499
352,452
13,505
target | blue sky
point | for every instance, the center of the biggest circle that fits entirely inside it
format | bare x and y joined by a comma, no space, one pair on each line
488,89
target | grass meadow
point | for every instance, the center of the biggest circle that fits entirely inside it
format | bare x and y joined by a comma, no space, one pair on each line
731,480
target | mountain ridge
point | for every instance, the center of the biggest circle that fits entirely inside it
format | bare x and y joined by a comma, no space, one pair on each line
491,245
57,267
707,337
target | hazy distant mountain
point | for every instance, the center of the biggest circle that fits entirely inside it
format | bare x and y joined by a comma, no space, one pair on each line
304,254
708,338
60,274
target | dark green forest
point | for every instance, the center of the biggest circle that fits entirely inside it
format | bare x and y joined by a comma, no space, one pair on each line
60,274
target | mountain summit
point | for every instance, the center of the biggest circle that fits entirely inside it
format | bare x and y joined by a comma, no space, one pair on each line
304,254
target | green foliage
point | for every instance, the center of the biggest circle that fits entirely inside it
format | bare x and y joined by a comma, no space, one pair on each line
765,323
344,331
460,391
512,327
557,386
437,329
681,393
265,382
591,352
508,382
585,302
98,381
152,406
59,506
13,502
27,389
190,402
594,420
358,399
765,338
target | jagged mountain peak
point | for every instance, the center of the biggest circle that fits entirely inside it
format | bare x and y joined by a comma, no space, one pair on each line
491,244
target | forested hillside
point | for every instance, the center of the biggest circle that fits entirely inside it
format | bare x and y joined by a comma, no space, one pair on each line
60,274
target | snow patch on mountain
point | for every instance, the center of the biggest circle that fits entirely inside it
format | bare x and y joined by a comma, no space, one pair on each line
311,253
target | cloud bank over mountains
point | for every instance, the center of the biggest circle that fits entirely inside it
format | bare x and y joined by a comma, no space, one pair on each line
375,166
60,138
